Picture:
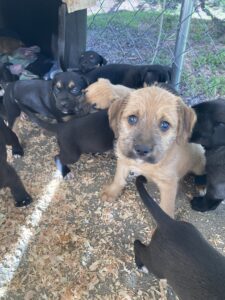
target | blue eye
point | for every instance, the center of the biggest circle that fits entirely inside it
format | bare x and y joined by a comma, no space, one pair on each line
164,126
132,120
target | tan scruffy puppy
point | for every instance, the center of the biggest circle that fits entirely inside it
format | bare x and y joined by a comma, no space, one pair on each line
152,127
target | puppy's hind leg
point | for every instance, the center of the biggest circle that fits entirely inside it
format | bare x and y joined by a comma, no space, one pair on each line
200,183
139,249
13,112
12,139
205,203
66,156
215,188
17,188
63,169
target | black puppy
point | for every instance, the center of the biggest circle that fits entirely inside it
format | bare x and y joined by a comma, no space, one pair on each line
90,134
54,99
130,75
209,131
179,253
90,60
5,78
8,176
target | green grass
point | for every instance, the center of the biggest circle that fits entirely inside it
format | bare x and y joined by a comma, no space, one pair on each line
131,19
211,87
212,62
209,59
197,30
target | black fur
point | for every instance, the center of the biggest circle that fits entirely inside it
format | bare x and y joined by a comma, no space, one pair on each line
90,60
133,76
90,134
179,253
8,176
209,131
45,98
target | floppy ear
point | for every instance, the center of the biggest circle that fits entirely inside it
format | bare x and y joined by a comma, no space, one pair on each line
149,77
103,61
186,122
85,79
114,113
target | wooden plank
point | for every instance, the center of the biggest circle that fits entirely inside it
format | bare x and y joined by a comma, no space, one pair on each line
75,5
75,37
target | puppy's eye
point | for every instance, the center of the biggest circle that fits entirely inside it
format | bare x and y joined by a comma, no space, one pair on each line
219,124
57,90
132,120
91,56
164,126
74,90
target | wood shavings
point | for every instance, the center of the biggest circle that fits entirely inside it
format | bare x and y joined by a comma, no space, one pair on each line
83,247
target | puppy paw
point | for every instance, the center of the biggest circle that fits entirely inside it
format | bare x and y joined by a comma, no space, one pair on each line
17,152
143,269
202,191
23,117
203,204
200,182
197,204
109,194
24,201
69,176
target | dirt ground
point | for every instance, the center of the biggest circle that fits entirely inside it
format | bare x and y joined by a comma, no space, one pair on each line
81,247
68,244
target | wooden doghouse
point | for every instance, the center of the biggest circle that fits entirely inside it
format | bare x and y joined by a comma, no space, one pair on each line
58,27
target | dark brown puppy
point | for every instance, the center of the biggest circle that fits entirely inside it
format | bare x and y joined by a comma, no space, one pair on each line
90,60
133,76
54,98
179,253
209,131
89,134
8,176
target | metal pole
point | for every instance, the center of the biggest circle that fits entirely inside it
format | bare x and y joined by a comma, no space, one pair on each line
181,41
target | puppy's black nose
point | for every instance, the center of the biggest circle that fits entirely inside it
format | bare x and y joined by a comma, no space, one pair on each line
64,104
142,150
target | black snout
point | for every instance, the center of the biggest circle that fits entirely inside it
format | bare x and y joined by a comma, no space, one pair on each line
64,104
142,150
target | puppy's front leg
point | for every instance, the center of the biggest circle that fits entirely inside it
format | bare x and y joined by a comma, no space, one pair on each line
168,192
112,191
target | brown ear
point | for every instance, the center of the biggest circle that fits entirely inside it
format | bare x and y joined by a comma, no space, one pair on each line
186,122
114,113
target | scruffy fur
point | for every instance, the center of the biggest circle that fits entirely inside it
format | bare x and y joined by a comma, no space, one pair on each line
178,252
169,155
102,93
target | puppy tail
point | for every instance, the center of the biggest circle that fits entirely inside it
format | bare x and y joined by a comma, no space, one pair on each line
158,214
39,122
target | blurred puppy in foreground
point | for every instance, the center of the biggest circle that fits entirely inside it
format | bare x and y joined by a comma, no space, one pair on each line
179,253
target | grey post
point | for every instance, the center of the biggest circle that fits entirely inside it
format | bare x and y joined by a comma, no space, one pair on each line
181,41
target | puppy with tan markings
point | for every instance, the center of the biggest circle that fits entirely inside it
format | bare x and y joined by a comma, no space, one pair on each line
152,127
